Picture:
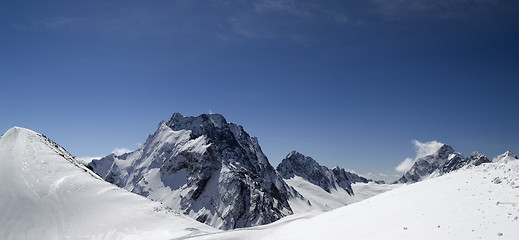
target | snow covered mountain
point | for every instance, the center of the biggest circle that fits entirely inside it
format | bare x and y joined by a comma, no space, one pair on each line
206,168
474,202
444,160
505,157
324,189
47,194
297,164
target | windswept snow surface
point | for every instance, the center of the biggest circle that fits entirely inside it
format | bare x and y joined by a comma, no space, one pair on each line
47,194
317,198
475,202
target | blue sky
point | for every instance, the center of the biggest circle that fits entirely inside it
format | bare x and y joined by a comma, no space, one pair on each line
350,83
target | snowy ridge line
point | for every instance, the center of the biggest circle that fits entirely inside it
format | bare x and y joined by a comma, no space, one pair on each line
46,194
61,151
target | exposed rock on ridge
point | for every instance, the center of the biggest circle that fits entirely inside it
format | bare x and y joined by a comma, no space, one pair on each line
306,167
443,161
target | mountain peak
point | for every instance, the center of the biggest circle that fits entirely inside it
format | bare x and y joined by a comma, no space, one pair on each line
298,155
505,157
444,160
510,154
15,131
297,164
177,115
203,161
16,135
198,124
444,151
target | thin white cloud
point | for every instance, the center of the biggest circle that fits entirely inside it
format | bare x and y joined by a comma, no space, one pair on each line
61,23
121,151
405,165
441,9
274,5
285,6
20,27
422,149
336,16
242,27
426,148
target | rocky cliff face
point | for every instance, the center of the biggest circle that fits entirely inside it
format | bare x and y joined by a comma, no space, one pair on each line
297,164
204,167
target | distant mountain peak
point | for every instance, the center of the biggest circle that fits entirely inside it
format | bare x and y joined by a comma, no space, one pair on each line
444,151
444,160
509,154
215,118
505,157
297,164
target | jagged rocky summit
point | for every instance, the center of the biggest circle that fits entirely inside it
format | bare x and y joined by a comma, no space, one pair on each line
297,164
443,161
206,168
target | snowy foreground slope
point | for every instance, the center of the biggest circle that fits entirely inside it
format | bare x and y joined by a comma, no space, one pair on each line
46,194
475,202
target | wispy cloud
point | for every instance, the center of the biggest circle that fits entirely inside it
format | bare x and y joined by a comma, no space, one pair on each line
273,5
422,149
440,9
20,27
121,151
405,165
242,27
286,6
61,22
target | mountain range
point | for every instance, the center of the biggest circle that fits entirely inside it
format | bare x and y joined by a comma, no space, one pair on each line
215,173
446,160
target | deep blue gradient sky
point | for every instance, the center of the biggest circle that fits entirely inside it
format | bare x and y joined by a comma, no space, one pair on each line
350,83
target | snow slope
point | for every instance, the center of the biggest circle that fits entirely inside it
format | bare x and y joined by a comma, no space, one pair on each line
475,202
317,199
46,194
